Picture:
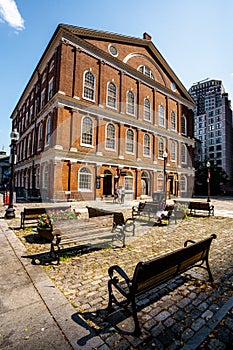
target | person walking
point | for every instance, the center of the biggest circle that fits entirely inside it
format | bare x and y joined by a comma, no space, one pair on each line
122,195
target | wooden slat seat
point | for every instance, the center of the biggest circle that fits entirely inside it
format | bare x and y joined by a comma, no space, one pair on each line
150,274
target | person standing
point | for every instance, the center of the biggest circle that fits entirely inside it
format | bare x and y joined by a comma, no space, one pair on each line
122,195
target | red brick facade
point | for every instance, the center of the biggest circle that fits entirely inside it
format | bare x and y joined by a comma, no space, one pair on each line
94,117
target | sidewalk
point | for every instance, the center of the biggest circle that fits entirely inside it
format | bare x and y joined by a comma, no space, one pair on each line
35,314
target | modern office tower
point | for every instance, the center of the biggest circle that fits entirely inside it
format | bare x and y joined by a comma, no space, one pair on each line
102,111
213,122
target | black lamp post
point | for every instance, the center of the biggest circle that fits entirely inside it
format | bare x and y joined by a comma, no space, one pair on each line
208,180
10,211
164,174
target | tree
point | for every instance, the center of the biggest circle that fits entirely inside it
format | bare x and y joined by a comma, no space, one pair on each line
218,177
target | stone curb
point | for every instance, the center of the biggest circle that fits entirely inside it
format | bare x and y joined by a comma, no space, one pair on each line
59,308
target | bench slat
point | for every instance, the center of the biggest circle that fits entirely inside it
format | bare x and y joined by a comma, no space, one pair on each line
150,274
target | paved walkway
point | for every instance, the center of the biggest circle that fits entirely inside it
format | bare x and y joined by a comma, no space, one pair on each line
35,314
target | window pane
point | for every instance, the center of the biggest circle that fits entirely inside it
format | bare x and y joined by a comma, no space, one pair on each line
87,131
89,86
147,109
111,100
110,141
130,141
85,179
130,102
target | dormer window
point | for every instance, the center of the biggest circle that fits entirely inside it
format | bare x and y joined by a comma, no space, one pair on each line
146,71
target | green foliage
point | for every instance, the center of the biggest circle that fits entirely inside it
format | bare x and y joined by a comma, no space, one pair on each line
217,176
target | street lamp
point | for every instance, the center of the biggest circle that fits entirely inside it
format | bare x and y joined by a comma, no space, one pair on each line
208,180
10,211
164,174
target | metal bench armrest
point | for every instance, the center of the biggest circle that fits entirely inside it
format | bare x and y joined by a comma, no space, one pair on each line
117,269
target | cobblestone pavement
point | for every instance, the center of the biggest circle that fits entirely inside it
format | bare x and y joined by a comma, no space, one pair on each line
186,313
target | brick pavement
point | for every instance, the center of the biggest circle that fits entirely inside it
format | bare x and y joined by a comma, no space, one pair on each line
187,314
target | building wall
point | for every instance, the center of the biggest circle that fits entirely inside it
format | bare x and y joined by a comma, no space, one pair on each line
57,158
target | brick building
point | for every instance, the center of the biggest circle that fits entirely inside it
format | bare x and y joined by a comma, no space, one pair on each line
98,112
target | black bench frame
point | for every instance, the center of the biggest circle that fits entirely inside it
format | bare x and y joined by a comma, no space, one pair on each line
150,274
202,206
118,222
148,209
31,214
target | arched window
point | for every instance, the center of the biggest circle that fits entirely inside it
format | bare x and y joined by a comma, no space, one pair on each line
89,86
87,131
146,71
184,154
40,136
145,183
130,141
110,136
38,177
161,148
147,109
183,125
130,108
173,121
173,151
146,145
183,183
129,181
160,182
29,145
48,130
161,116
111,95
50,90
45,176
84,179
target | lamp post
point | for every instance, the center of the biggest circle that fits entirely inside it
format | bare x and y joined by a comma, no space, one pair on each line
10,211
164,174
208,180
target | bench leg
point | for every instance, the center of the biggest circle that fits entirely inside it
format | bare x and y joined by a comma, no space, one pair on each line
137,329
209,271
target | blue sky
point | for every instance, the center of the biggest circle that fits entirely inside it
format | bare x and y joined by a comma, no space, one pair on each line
194,36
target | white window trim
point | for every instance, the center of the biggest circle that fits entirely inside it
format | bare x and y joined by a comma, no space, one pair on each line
87,144
111,82
128,152
91,182
86,98
146,155
175,152
47,142
106,133
150,119
159,114
183,146
127,112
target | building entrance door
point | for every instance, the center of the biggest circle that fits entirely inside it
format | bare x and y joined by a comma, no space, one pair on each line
107,185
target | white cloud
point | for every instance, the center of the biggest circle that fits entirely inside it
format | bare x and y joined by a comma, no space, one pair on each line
10,14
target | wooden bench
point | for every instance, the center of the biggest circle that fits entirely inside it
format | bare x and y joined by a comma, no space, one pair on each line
148,209
150,274
86,233
119,221
31,214
202,206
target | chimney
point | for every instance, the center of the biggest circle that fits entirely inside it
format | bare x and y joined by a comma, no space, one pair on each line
146,36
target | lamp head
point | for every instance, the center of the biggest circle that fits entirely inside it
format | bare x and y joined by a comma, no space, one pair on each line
208,164
165,154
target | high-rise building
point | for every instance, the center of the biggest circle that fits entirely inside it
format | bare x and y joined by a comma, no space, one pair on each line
213,122
102,111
